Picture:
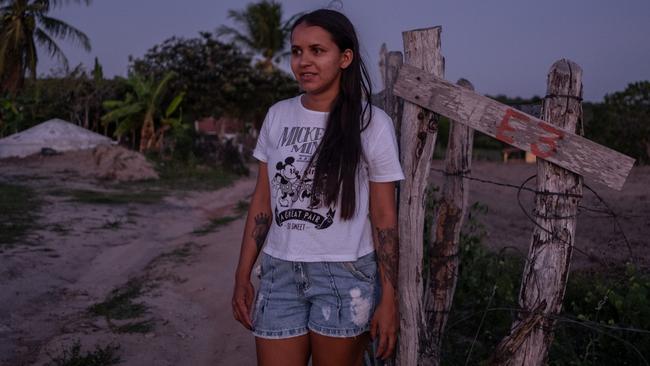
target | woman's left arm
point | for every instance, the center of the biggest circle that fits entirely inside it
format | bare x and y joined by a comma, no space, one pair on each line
383,217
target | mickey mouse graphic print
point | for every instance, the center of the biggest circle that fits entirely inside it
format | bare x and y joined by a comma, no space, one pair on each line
304,228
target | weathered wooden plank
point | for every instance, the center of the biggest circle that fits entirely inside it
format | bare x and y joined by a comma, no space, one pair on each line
547,268
393,105
564,148
417,141
445,239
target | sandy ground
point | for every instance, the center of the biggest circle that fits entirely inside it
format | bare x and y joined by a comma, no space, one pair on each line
599,240
46,287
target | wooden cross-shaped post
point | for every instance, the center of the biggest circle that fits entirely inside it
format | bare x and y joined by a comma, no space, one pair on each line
564,148
552,144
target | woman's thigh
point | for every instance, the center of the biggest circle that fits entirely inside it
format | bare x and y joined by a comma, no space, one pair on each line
334,351
292,351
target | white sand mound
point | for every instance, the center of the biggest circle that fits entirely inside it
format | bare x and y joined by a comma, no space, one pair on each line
111,162
119,163
54,134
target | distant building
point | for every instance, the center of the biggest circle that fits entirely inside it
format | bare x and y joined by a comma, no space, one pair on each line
225,128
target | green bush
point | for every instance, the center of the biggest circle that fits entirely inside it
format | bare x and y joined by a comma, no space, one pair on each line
605,318
485,298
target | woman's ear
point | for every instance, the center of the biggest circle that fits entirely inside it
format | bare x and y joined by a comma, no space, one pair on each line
346,58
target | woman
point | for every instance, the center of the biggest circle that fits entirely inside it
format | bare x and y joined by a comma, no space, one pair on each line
323,212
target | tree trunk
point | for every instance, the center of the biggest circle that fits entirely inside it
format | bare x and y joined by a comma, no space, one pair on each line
443,268
418,136
147,133
547,268
14,80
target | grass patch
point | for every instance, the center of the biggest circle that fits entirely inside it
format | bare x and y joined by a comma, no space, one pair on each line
213,225
19,207
190,176
115,198
179,254
144,326
119,304
605,318
72,356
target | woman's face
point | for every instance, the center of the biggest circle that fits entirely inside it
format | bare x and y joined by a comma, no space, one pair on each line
316,61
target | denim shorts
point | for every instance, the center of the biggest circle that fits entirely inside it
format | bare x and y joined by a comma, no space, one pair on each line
335,299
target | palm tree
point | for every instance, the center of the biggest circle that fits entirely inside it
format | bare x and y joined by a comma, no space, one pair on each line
24,24
263,30
141,108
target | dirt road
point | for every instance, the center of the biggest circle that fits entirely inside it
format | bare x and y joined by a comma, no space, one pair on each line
168,263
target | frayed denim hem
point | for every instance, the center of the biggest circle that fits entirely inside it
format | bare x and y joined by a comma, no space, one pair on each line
337,333
280,334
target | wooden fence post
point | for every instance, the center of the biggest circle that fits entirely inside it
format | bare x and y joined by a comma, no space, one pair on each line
418,136
393,105
389,64
547,268
445,238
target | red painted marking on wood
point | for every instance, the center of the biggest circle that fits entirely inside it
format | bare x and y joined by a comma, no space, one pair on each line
504,126
548,141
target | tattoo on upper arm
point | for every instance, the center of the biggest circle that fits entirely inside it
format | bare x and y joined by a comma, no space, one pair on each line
261,229
388,254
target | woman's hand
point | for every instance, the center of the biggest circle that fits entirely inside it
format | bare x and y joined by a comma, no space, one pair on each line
385,324
242,300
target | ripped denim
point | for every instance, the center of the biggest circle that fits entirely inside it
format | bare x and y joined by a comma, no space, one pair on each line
335,299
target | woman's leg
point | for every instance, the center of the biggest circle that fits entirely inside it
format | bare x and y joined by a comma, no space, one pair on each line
292,351
333,351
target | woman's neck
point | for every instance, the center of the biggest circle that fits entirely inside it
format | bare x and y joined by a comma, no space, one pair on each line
318,102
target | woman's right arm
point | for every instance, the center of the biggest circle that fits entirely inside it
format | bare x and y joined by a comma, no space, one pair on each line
258,223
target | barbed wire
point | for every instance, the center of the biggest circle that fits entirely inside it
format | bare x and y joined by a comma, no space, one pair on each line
595,326
606,212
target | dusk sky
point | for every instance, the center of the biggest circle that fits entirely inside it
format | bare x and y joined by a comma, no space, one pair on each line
502,46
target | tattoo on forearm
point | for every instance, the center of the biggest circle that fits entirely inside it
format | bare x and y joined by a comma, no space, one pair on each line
388,254
261,229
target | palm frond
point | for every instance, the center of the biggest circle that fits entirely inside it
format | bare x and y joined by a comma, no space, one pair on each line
31,58
237,16
58,3
160,90
52,47
63,30
260,28
126,125
123,112
235,36
176,102
112,104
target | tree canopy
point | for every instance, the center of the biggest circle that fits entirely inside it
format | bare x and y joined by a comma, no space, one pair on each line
622,121
262,30
217,78
24,24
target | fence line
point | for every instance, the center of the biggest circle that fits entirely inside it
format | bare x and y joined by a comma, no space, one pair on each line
417,142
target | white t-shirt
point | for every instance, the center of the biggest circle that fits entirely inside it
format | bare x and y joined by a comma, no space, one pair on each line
303,228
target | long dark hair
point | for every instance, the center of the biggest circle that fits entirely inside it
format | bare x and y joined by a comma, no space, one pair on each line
337,157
